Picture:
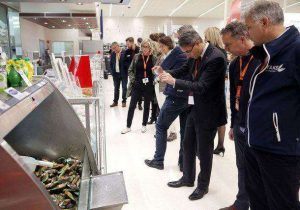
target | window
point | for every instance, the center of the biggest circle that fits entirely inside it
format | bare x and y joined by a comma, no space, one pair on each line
59,47
4,39
14,33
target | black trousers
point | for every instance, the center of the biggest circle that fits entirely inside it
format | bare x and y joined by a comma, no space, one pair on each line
138,91
272,181
240,142
197,141
117,83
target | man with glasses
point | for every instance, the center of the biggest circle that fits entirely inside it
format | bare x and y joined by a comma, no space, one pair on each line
207,65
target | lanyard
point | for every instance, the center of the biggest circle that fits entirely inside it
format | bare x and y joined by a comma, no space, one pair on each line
242,75
145,65
195,73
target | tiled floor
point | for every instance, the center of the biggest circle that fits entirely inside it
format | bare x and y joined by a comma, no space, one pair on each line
146,187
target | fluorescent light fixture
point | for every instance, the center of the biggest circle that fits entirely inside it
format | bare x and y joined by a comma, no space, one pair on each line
291,5
84,18
79,3
177,8
46,23
86,23
63,21
69,25
208,11
110,10
143,6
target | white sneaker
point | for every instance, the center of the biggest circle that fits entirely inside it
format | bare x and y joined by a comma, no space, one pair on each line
144,129
126,130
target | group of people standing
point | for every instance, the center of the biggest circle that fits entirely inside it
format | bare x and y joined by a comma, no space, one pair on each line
264,102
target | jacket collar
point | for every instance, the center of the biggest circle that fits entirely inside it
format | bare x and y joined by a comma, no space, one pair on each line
274,47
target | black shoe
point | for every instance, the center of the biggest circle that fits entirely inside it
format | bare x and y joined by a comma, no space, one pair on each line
220,151
198,194
151,121
114,104
180,183
140,107
180,167
155,164
232,207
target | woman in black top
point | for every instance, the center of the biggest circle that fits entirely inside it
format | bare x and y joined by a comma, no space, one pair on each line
212,35
141,83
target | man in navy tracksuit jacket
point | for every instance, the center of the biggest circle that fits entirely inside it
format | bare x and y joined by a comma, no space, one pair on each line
273,155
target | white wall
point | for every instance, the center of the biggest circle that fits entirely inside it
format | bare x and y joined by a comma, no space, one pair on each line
115,29
31,33
119,28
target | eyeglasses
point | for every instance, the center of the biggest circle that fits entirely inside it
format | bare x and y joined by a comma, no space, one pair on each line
189,51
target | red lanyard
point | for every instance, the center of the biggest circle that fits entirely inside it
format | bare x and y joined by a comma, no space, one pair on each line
145,66
242,75
195,73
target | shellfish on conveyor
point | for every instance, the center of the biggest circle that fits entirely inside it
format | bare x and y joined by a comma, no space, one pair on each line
62,181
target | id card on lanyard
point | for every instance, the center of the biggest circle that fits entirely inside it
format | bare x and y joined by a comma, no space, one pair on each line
191,100
240,82
145,80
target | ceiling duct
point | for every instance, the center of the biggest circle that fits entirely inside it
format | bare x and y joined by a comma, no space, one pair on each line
119,2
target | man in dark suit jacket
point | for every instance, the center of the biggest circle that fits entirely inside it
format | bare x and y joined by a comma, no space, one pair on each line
207,64
119,73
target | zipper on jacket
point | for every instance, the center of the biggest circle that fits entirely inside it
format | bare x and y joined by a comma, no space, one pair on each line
251,88
276,126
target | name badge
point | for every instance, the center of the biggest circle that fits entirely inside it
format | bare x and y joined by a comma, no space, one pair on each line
191,100
145,80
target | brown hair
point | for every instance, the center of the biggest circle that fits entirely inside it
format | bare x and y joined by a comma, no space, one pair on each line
166,40
130,39
154,37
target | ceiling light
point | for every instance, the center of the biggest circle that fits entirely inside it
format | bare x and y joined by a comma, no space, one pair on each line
143,6
291,5
46,23
177,8
69,25
62,0
63,21
110,10
84,18
79,3
87,23
208,11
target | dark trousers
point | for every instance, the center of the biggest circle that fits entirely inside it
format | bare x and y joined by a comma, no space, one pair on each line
242,199
154,110
272,181
198,141
171,109
117,83
137,92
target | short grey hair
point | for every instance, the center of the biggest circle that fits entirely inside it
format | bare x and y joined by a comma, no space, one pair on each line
189,38
115,43
236,29
269,9
185,28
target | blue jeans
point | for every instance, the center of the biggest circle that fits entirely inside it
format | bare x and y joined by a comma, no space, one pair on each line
171,109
